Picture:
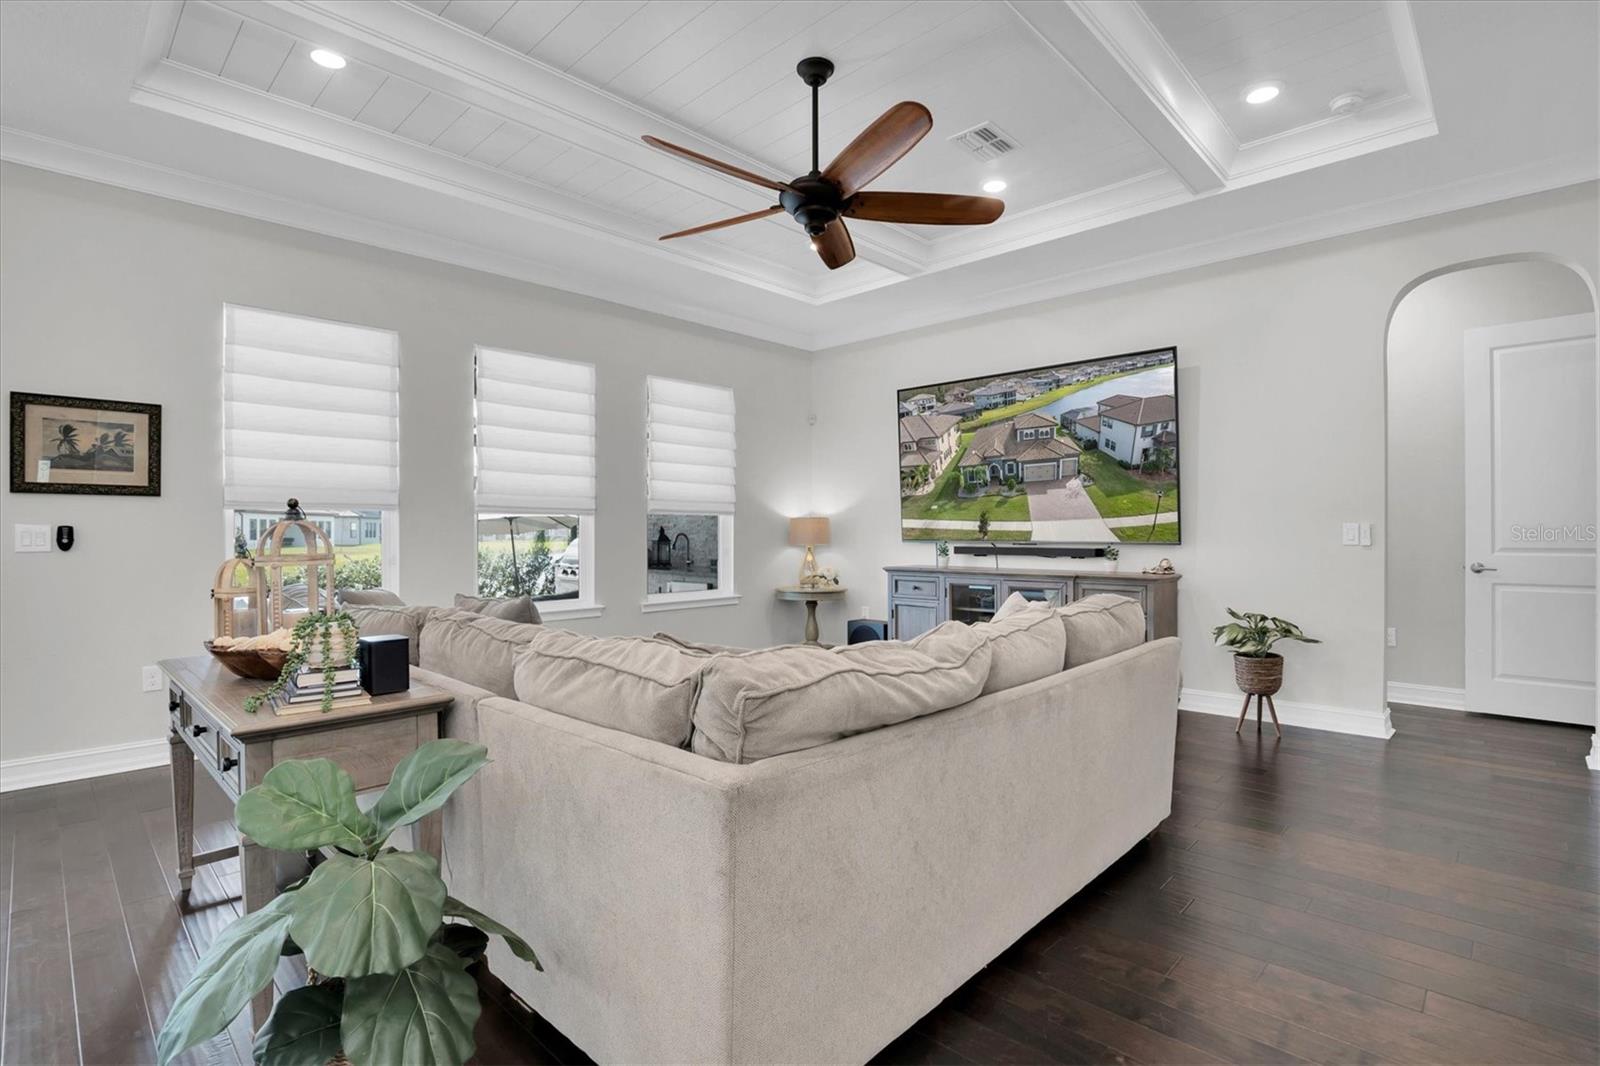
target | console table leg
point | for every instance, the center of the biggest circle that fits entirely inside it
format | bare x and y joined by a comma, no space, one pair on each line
813,635
183,812
257,869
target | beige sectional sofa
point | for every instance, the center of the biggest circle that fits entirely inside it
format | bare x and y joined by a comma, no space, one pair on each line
714,905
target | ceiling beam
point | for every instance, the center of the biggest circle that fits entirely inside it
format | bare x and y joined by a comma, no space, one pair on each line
1122,57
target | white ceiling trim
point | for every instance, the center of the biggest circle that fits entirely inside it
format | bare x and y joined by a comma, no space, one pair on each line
44,153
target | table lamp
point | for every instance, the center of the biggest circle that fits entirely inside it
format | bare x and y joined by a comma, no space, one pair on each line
807,532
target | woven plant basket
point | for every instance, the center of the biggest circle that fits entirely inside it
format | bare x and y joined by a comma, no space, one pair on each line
1258,675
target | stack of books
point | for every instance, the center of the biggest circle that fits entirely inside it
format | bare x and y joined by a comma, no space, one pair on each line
305,691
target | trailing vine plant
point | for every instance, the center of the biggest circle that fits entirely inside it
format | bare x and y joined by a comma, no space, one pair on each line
314,630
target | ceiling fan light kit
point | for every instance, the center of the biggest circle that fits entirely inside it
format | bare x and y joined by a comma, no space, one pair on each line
821,200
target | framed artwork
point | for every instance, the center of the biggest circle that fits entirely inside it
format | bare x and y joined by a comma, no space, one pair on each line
78,445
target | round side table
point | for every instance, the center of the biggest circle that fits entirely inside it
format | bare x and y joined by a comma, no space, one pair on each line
810,596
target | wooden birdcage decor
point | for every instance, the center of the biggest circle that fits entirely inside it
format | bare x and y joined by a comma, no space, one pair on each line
281,605
235,582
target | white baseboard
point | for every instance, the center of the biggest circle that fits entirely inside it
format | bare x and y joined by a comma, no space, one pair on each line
1446,699
36,770
1359,723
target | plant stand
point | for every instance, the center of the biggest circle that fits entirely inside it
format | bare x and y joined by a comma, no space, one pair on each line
1260,698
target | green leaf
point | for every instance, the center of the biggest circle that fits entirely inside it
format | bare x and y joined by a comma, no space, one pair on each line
424,780
420,1016
362,916
304,803
239,964
303,1029
519,947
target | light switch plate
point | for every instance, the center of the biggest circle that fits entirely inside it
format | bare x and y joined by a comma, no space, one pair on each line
1350,534
1390,638
32,538
1366,534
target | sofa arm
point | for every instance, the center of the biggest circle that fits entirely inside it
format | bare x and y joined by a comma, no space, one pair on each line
609,853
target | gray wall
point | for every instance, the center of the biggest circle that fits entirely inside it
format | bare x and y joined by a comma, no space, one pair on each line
1282,395
115,294
1427,479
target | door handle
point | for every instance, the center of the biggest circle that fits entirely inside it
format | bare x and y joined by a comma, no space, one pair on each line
1479,568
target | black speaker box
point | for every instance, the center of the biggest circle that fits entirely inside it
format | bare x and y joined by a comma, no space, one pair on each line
385,663
861,630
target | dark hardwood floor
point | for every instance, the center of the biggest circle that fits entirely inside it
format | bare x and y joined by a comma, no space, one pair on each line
1320,899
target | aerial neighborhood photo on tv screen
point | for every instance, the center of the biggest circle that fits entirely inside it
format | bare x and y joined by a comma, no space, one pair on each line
1076,453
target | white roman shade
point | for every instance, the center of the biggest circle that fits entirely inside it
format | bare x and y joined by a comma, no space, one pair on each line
691,448
535,434
311,409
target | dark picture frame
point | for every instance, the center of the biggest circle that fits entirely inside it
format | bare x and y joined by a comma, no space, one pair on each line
97,448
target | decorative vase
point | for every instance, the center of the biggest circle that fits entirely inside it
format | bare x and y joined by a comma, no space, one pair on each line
1258,675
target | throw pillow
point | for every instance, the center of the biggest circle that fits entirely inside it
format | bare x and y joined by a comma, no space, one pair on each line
507,608
1101,625
638,685
378,620
473,648
368,598
1014,602
1028,642
764,703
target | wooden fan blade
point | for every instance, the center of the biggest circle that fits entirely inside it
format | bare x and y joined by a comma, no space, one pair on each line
835,246
751,217
876,148
714,164
925,208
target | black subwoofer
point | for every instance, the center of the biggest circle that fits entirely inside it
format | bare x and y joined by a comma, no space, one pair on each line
385,663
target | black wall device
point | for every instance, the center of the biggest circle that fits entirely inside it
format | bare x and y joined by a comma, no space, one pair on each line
64,538
385,663
861,630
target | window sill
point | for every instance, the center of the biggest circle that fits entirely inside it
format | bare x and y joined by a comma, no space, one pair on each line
569,610
684,601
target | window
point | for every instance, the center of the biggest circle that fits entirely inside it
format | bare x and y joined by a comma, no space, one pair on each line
690,460
1147,431
311,410
534,455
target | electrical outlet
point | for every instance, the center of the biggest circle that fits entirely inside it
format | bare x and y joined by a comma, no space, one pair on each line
150,679
1390,639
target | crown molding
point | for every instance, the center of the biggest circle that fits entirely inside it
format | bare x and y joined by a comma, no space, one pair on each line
61,157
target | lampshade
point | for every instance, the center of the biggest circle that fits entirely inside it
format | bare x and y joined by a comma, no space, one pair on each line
808,531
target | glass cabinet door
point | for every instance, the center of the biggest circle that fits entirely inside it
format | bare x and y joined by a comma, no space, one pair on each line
973,601
1044,591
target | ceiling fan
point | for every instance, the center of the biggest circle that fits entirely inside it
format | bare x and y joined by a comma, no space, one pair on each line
821,200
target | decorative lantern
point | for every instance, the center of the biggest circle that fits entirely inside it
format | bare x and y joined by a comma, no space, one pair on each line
235,582
271,561
662,557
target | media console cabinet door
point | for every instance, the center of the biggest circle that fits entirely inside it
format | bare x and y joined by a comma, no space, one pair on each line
913,619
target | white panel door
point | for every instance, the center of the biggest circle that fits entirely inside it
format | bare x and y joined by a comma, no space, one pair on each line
1530,537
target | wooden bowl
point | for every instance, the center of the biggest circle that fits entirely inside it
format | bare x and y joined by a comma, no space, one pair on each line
260,664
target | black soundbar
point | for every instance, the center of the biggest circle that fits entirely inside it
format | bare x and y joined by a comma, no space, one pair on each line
1041,551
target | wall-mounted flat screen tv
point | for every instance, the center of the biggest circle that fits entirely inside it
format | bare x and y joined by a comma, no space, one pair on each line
1082,453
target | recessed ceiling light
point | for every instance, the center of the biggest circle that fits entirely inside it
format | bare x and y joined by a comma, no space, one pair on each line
324,58
994,185
1264,93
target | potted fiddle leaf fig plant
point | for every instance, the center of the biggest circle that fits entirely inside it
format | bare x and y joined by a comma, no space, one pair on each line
387,947
1257,669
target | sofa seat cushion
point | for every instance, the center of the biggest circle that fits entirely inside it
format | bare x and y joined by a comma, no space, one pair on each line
762,703
472,648
1101,625
506,608
378,620
1027,643
639,685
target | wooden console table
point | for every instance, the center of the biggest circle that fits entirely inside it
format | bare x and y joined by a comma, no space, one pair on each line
810,595
209,724
921,597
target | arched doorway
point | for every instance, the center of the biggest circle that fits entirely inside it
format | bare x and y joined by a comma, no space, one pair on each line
1444,447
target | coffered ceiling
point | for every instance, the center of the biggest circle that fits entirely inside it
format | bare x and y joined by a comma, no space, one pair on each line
505,134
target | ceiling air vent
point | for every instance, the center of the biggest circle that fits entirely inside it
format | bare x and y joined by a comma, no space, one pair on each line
986,141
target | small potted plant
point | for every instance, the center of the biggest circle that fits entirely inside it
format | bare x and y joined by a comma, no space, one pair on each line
1112,554
1257,669
389,981
941,553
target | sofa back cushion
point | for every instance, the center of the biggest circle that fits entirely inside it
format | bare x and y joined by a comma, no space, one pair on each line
763,703
639,685
377,620
506,608
472,648
1028,642
1101,625
368,598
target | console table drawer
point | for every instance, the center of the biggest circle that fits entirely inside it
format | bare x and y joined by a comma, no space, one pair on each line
916,588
